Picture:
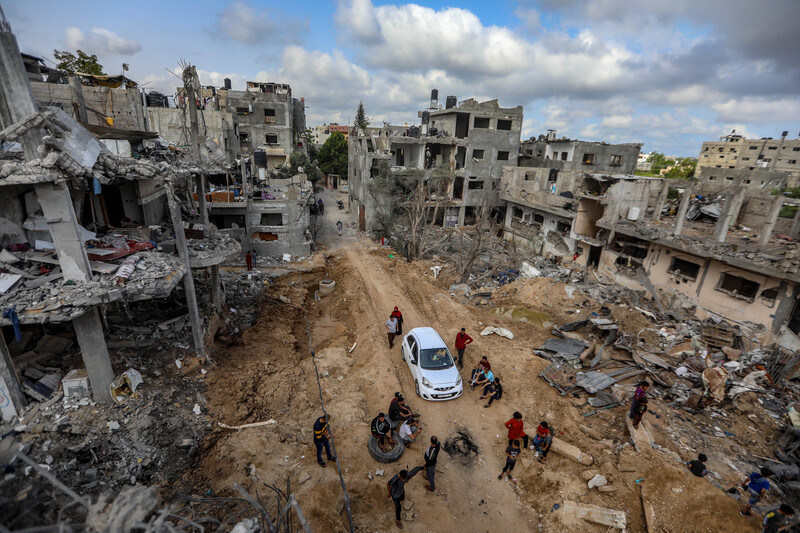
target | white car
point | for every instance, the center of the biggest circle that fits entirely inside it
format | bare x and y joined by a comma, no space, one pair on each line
432,367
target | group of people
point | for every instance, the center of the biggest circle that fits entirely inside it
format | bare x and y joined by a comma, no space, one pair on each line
489,384
251,259
400,417
542,442
396,485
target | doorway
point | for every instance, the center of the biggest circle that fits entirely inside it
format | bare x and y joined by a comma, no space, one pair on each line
594,256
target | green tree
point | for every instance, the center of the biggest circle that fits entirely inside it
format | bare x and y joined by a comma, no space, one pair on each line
682,169
332,157
82,62
361,121
659,161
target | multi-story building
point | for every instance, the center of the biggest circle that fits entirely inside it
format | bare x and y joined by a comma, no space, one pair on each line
473,139
568,154
756,155
322,133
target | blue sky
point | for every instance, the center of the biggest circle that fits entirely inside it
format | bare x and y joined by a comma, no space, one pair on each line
668,74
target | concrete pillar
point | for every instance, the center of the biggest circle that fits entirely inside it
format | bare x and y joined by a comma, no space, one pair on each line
188,279
662,197
772,219
12,401
730,212
77,100
216,287
57,207
795,225
201,197
682,209
16,97
92,340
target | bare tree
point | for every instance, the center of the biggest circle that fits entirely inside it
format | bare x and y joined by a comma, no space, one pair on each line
483,234
412,198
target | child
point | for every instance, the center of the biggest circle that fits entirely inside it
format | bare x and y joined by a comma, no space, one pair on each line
511,459
494,392
542,441
698,466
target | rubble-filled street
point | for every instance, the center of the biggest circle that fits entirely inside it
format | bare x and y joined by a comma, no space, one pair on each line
295,287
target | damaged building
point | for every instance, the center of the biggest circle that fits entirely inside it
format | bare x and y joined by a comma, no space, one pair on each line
85,230
472,140
759,161
568,154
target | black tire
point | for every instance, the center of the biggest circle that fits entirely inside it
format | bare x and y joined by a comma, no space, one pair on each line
416,387
385,457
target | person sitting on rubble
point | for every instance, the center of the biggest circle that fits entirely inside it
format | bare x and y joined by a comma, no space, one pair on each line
757,485
381,428
542,441
483,364
409,431
639,403
484,377
399,412
493,392
698,466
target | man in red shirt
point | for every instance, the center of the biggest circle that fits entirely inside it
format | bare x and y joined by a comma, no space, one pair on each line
462,339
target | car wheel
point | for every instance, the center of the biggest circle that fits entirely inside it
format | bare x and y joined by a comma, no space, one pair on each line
382,456
416,386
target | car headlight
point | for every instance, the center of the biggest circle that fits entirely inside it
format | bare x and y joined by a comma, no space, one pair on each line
458,381
426,382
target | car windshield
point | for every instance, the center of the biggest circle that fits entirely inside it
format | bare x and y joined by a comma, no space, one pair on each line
435,359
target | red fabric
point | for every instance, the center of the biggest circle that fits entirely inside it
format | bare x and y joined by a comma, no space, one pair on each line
462,341
542,431
515,428
133,247
486,364
397,314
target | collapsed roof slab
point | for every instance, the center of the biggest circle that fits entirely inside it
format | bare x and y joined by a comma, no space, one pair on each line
61,302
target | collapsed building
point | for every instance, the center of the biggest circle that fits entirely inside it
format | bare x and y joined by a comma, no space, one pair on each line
471,139
723,253
73,244
570,154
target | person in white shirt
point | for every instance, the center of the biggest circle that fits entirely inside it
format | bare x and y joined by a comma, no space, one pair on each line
409,430
391,329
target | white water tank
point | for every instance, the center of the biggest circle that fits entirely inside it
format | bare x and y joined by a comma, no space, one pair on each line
633,213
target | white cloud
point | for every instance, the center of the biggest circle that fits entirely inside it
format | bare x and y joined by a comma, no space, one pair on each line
242,22
618,121
759,110
100,41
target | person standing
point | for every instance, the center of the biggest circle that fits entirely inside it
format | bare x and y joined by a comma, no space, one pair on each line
777,519
511,458
399,316
391,330
431,456
248,259
321,435
639,403
397,490
255,258
339,227
462,339
757,485
515,430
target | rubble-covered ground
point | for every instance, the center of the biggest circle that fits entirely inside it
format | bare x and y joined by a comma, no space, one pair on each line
265,372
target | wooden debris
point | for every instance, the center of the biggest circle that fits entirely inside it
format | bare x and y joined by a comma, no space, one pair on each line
595,514
571,452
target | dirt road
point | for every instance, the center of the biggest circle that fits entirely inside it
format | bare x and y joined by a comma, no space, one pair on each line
267,373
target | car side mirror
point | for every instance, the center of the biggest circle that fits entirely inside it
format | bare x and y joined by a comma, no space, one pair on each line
413,361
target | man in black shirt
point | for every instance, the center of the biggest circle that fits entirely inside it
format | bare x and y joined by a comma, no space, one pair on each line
321,435
381,428
398,412
511,458
698,467
397,490
775,520
431,455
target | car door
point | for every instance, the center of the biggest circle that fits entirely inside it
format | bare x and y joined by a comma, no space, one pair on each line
412,354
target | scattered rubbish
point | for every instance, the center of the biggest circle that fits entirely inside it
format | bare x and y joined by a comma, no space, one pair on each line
595,514
113,425
125,385
196,409
76,384
436,269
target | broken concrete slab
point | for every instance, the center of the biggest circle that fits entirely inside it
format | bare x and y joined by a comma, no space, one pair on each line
595,514
571,452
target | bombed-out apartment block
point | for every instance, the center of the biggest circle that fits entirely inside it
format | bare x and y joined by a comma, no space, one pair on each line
568,154
730,253
759,160
471,139
83,231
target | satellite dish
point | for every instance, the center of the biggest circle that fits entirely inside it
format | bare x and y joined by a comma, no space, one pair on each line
125,67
